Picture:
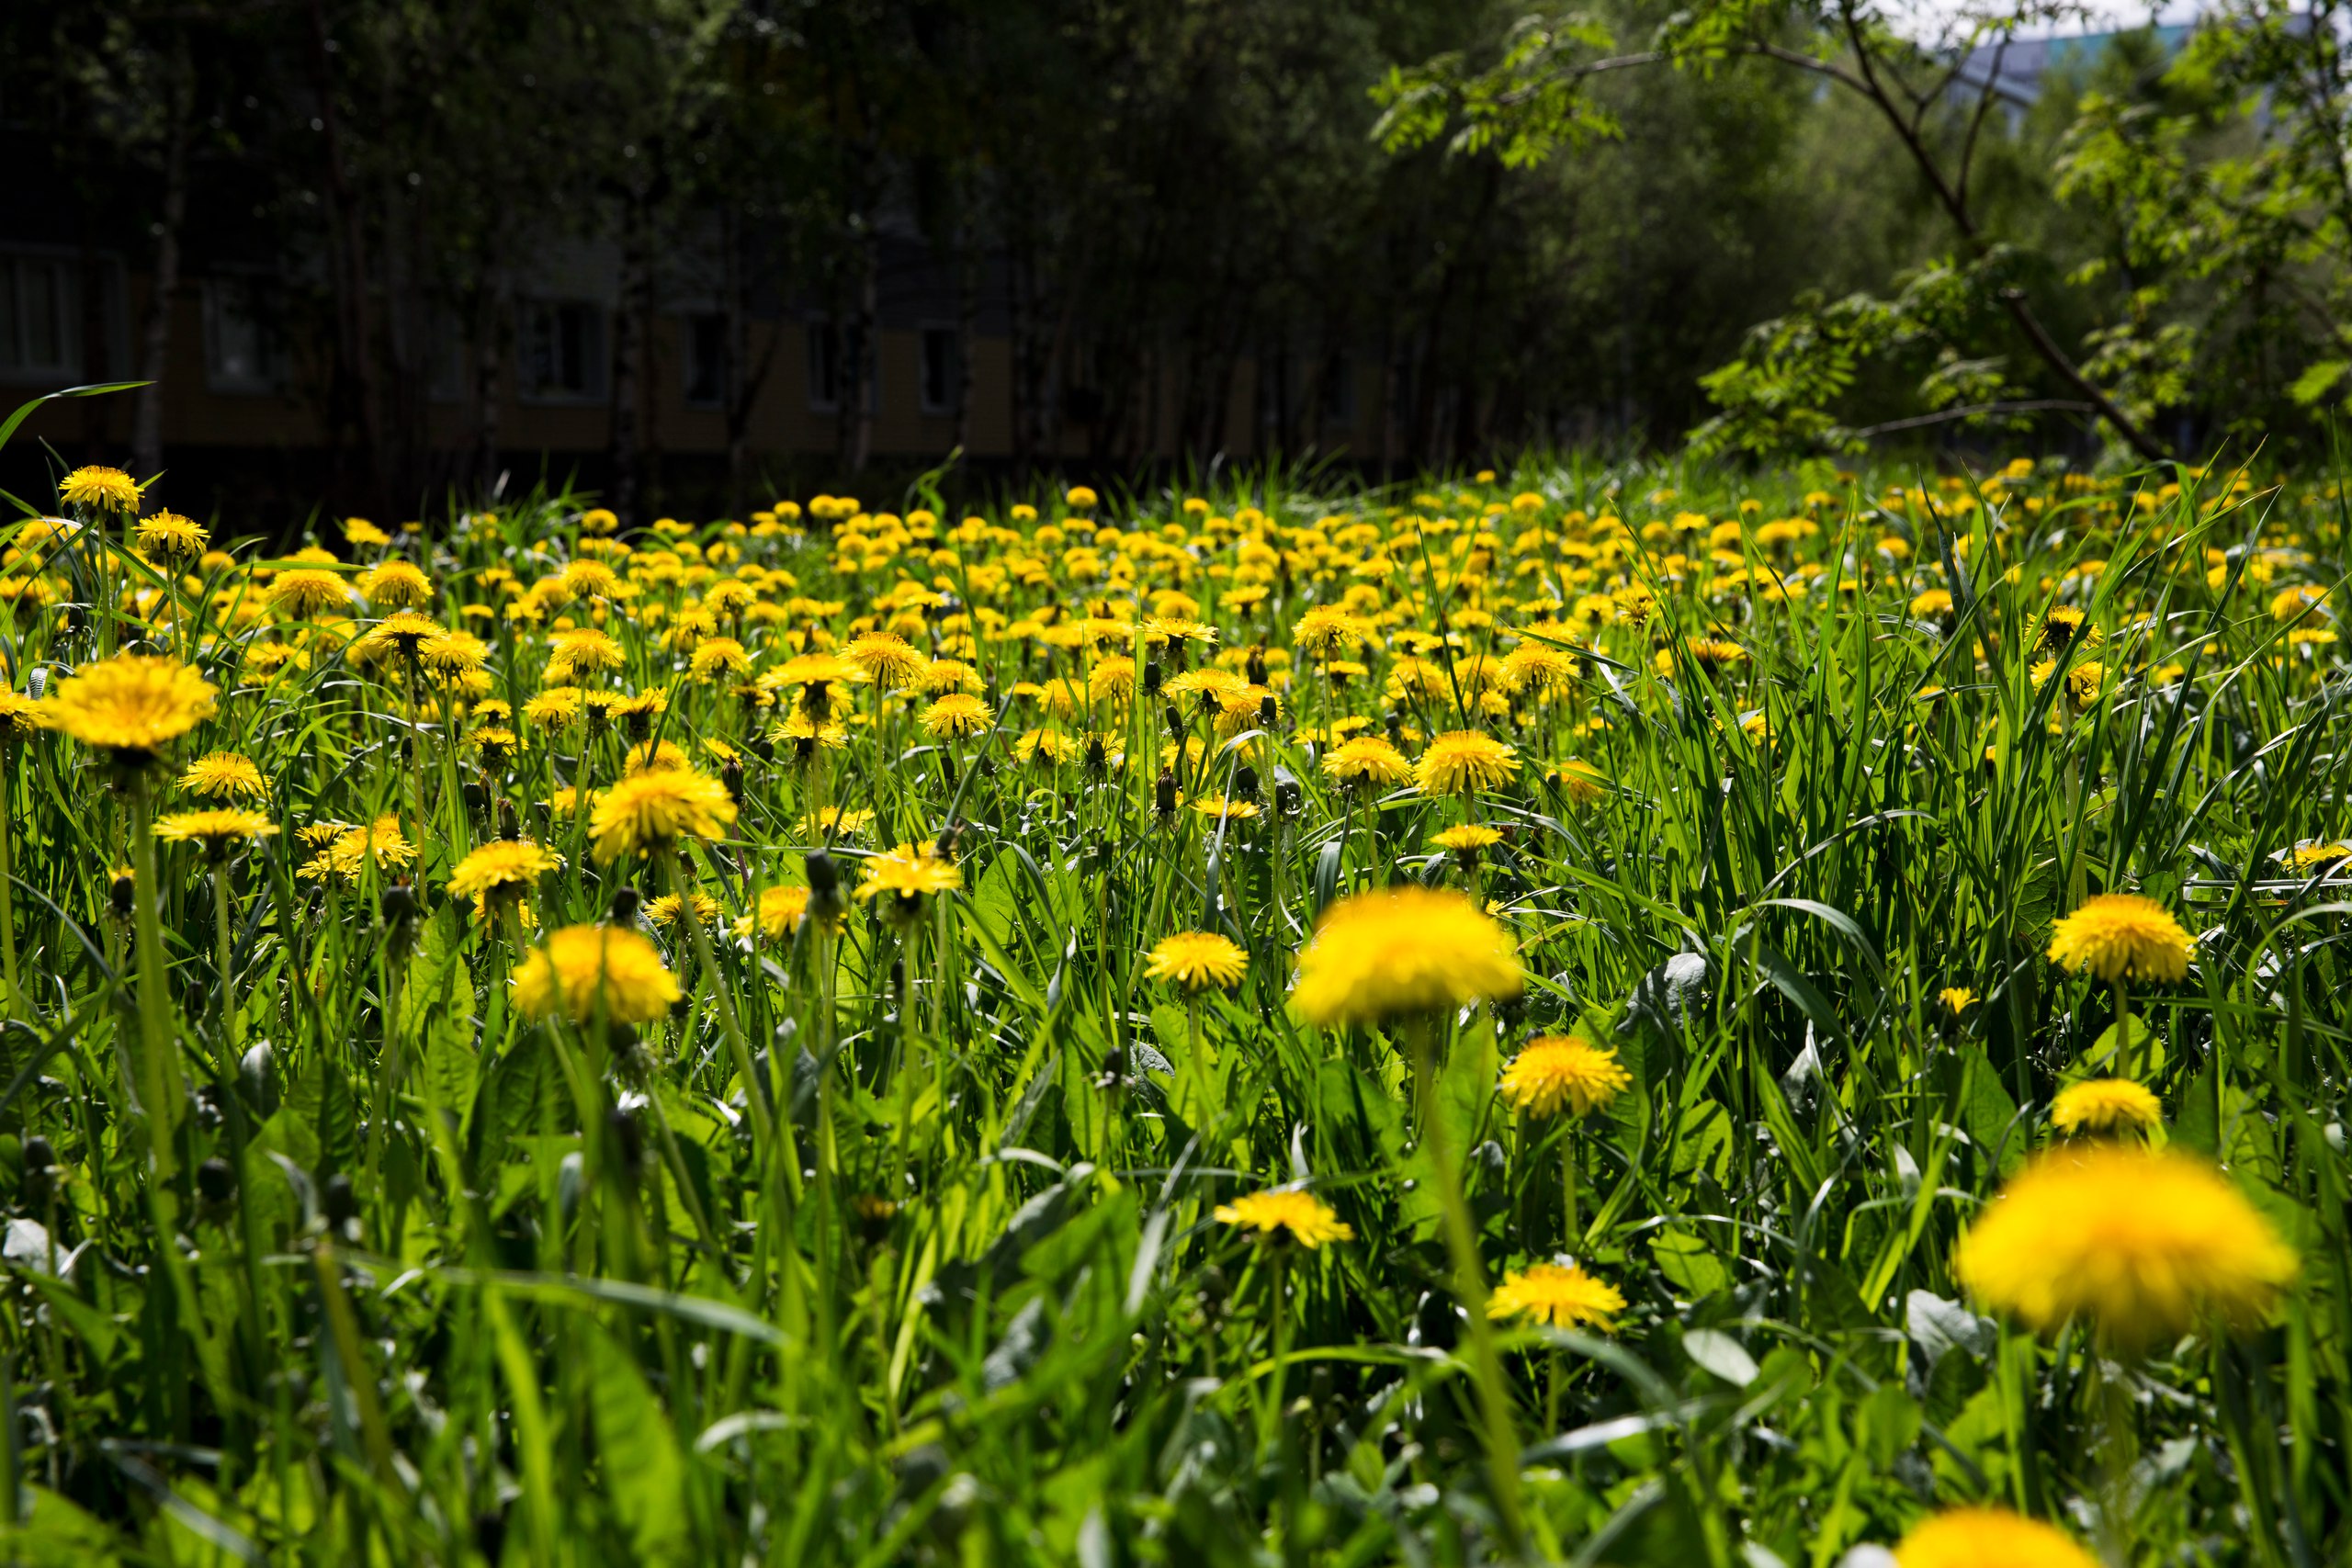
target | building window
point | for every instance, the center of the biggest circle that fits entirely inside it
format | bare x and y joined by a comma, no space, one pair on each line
939,370
828,366
39,330
561,351
706,338
240,348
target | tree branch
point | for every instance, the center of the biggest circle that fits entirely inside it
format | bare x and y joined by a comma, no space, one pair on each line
2026,405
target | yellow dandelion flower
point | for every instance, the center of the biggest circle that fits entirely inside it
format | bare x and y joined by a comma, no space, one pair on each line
1562,1295
19,715
1558,1071
647,813
130,706
102,489
2106,1106
1401,951
307,594
956,714
907,874
224,775
1328,631
2121,936
167,536
1286,1214
584,972
886,658
778,914
2143,1244
453,654
218,829
1367,761
1988,1538
663,912
1194,961
396,584
1464,762
1467,839
1956,999
502,867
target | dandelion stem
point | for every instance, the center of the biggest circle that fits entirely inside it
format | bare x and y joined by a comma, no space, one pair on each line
1469,1286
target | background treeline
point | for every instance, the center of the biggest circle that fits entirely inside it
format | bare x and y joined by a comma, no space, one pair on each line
1543,231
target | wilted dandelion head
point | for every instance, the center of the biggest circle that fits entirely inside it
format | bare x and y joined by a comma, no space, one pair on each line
2121,936
131,705
1563,1072
2106,1106
1402,952
1988,1538
647,813
2144,1244
1194,961
586,972
1464,762
1285,1215
1562,1295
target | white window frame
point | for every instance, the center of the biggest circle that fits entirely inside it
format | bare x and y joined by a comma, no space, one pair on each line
65,271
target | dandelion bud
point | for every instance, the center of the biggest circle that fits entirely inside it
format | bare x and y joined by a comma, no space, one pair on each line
1257,665
731,775
628,1139
1163,798
1268,712
399,903
1151,676
624,906
341,1204
508,828
123,894
1288,800
1174,720
1245,784
216,1180
257,1070
40,1161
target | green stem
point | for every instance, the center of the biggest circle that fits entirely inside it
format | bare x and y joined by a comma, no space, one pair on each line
1469,1289
158,1070
15,1007
221,958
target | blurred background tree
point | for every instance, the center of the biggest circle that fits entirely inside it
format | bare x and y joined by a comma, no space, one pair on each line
1778,227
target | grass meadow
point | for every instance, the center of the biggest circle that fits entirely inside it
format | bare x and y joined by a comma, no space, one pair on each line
1474,1023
